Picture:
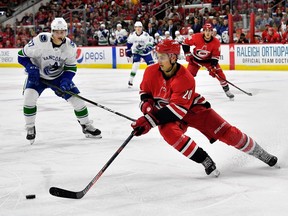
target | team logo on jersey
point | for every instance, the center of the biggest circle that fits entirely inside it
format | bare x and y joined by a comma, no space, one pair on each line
79,56
202,53
52,70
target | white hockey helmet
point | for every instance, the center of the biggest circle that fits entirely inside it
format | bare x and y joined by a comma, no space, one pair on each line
177,33
156,34
138,24
119,25
214,30
102,25
59,24
167,33
190,31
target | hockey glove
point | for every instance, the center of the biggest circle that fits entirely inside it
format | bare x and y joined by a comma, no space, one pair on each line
66,84
147,49
33,73
143,124
128,52
188,57
148,106
212,71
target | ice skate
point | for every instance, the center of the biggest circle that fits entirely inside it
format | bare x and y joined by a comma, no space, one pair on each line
228,93
31,134
210,167
90,131
264,156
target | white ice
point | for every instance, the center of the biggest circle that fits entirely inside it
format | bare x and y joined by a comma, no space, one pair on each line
148,177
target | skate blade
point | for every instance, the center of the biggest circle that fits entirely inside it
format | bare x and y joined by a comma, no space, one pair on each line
216,173
276,166
231,99
93,137
32,141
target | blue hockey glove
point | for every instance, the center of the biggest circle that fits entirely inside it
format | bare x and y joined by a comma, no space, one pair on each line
33,73
66,84
147,50
128,52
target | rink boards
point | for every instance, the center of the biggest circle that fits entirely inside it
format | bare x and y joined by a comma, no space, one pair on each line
233,57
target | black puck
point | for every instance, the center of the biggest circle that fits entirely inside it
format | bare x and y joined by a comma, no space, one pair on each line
31,196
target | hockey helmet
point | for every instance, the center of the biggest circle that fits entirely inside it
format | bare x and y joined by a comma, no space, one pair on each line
156,34
138,24
102,26
168,46
190,31
207,26
59,24
177,33
119,25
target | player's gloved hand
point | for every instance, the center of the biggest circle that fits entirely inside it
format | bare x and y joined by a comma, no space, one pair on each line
147,49
148,106
212,71
33,73
121,40
128,52
189,57
66,84
143,124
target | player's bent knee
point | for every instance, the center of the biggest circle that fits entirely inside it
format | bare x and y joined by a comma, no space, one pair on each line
30,97
76,102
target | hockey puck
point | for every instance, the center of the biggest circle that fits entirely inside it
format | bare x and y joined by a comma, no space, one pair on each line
31,196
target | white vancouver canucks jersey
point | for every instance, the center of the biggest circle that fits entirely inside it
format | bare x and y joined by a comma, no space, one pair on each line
140,42
51,61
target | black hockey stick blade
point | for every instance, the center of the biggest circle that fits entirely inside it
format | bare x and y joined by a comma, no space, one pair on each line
59,192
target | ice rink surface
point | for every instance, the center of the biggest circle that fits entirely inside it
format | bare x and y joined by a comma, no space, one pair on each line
148,177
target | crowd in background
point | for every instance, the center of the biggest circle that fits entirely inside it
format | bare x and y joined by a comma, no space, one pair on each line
85,17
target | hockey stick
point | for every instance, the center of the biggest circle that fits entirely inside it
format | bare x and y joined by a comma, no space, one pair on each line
248,93
59,192
85,99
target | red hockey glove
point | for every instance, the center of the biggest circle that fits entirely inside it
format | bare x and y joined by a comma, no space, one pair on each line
189,57
143,124
212,71
147,106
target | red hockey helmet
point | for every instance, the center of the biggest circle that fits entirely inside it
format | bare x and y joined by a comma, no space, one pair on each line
168,46
207,26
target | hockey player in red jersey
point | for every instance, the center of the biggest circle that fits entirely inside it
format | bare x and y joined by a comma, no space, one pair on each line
169,101
206,53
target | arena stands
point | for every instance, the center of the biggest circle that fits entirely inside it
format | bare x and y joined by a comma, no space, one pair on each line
85,17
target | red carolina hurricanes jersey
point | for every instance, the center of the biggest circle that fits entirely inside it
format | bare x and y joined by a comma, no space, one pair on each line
176,93
203,50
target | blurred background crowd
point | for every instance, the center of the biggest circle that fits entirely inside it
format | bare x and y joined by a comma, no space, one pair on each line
20,20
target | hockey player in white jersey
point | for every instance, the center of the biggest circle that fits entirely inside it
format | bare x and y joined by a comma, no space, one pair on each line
121,35
139,45
51,57
102,35
178,37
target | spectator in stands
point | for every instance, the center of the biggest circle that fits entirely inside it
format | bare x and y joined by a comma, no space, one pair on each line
171,28
215,24
197,25
266,21
151,30
242,39
223,27
272,36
